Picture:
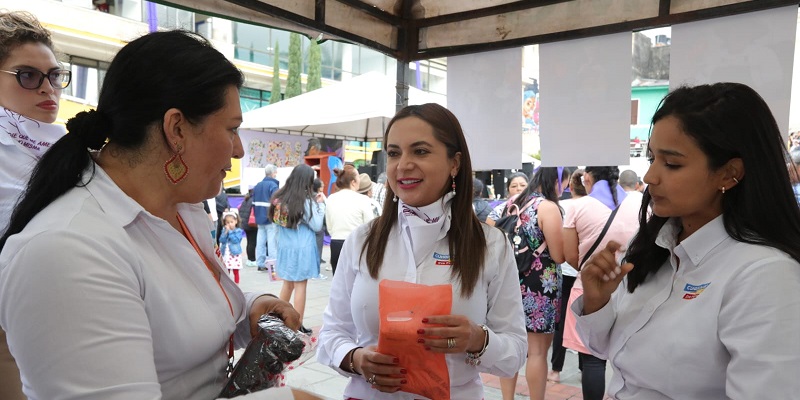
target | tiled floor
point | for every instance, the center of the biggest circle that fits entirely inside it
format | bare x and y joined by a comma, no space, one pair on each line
325,382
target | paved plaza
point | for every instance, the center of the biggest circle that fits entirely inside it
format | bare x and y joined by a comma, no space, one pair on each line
325,382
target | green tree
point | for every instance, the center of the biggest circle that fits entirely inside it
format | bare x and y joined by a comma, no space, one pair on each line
314,67
275,96
293,85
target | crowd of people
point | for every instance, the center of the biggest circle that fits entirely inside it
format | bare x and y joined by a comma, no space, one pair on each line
111,286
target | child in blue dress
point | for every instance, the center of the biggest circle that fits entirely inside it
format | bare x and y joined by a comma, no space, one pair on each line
231,240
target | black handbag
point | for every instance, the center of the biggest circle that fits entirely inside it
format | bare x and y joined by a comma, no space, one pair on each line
510,225
599,238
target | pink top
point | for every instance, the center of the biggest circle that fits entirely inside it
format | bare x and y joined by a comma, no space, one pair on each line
588,216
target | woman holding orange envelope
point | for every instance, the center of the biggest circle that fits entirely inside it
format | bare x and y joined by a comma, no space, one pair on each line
427,235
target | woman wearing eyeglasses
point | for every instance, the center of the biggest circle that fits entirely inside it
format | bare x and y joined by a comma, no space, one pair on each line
30,87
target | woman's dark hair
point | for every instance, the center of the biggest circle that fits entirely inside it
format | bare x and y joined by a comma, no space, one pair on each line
317,185
299,188
513,176
18,28
150,75
728,120
608,174
477,188
545,181
345,176
466,239
576,183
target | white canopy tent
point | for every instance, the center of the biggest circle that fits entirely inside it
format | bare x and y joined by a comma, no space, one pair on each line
358,109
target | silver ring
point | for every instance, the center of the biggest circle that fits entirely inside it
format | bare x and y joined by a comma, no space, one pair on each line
371,380
451,343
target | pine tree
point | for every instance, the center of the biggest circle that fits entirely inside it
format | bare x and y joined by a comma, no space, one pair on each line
276,76
293,85
314,67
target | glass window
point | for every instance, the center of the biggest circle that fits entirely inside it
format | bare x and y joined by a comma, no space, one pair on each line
252,43
87,78
172,18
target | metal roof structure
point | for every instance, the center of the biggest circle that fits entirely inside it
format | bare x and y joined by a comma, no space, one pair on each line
410,30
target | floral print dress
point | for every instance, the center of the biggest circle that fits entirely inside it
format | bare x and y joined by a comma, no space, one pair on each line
540,285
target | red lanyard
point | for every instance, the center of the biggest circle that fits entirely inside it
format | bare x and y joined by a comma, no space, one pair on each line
216,278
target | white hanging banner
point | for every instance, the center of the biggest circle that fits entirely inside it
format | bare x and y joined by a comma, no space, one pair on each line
484,91
756,49
585,113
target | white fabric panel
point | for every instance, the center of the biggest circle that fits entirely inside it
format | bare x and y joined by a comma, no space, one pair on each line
756,49
585,111
484,91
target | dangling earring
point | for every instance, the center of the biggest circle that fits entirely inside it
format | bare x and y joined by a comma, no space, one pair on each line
394,199
175,168
723,190
453,186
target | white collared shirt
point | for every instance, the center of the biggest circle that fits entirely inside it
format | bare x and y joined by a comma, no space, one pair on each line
352,317
726,324
102,300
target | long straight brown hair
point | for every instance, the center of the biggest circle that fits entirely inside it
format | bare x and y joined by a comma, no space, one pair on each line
466,239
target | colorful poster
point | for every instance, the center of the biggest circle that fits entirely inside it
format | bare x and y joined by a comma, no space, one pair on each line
261,148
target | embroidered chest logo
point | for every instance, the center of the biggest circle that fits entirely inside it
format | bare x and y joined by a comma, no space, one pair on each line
442,259
692,291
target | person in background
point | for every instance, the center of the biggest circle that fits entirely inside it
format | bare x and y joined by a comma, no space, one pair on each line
251,232
230,241
130,267
479,205
298,213
430,186
347,210
516,183
319,187
568,276
365,187
630,182
262,195
794,171
379,190
540,282
582,228
31,82
222,206
706,294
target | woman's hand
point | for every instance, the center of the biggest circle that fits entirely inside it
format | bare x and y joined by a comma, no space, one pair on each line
380,370
320,197
273,305
458,335
601,276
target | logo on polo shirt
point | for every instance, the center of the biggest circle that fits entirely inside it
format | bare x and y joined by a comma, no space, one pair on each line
693,291
442,259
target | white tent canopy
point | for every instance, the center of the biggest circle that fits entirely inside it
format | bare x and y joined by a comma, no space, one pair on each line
358,108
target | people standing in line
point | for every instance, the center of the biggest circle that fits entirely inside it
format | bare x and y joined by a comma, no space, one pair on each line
707,293
582,227
222,206
568,276
298,212
251,232
540,283
428,212
230,243
365,187
479,204
262,195
516,183
346,210
112,219
31,82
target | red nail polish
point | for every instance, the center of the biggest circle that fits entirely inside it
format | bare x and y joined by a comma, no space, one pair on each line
421,331
424,320
403,382
396,361
420,340
403,371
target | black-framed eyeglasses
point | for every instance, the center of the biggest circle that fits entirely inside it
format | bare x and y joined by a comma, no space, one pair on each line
31,78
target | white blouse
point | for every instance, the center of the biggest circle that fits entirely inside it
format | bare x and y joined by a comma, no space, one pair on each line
725,325
102,300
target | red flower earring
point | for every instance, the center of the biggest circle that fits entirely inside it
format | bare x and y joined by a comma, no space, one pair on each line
175,168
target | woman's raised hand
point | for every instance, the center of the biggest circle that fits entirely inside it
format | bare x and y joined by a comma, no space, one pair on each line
601,276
